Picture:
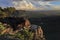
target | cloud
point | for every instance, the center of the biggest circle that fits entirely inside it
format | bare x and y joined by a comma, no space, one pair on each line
22,5
39,0
30,4
33,5
55,7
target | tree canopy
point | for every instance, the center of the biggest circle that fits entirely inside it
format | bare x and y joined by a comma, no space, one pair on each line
6,12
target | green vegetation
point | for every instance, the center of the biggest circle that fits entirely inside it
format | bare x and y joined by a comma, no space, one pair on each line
6,12
23,35
1,27
12,12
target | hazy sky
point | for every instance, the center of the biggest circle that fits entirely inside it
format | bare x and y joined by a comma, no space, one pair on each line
41,0
5,3
41,4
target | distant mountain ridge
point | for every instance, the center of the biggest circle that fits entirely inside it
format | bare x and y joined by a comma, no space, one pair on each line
37,14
